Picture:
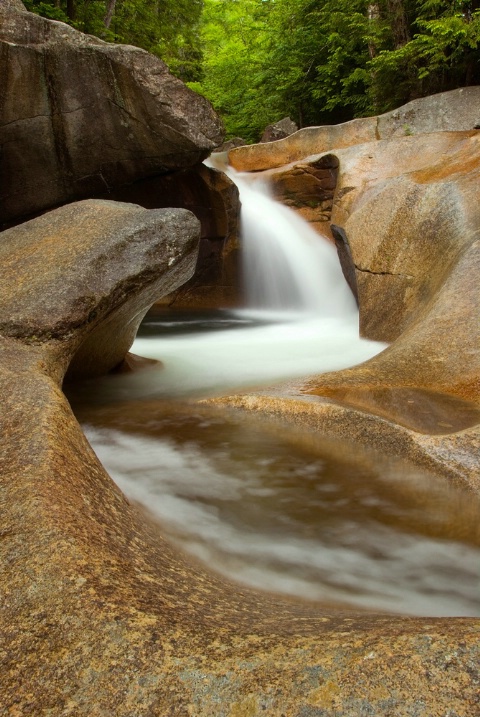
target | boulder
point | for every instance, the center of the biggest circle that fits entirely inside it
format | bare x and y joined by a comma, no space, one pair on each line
301,144
81,116
79,279
279,130
231,144
409,211
448,111
14,5
213,198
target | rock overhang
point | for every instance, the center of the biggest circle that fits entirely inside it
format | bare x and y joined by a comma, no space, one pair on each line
80,278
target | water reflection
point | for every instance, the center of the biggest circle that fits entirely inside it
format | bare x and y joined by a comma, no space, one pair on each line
420,410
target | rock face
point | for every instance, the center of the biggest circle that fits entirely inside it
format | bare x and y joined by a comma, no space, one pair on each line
80,278
449,111
308,189
96,116
213,198
279,130
410,213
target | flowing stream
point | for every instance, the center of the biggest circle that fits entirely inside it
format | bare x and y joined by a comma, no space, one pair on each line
277,509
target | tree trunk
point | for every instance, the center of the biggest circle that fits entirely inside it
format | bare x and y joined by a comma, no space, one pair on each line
110,10
373,13
71,9
398,18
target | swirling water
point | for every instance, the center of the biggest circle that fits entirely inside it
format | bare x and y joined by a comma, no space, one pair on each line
265,506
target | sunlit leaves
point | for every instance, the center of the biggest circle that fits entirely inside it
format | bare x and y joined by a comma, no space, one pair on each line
317,61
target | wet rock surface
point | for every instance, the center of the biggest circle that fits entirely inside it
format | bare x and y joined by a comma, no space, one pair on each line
308,189
213,198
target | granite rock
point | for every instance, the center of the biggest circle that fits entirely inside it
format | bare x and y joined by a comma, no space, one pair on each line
213,198
456,110
80,278
279,130
101,616
81,116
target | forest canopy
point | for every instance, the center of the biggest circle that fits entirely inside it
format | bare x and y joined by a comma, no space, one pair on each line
317,61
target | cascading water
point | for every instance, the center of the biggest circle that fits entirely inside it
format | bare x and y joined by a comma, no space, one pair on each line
260,507
306,316
288,266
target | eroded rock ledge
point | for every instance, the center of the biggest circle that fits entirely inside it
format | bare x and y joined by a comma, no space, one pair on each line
78,280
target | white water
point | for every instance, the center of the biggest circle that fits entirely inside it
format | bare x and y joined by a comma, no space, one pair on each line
269,515
252,506
288,266
295,286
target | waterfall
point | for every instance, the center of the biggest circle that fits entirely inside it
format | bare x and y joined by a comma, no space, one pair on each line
301,318
287,264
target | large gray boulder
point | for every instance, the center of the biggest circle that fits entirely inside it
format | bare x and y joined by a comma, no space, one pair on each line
77,281
279,130
458,110
80,116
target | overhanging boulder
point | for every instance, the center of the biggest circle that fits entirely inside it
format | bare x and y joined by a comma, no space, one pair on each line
77,281
80,116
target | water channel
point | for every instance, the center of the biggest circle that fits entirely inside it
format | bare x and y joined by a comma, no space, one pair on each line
271,507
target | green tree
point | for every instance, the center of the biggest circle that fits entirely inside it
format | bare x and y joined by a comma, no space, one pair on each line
442,54
169,29
265,59
234,34
324,61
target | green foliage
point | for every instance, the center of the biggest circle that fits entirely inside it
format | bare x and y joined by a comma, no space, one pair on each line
326,61
46,9
169,29
317,61
234,33
443,54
